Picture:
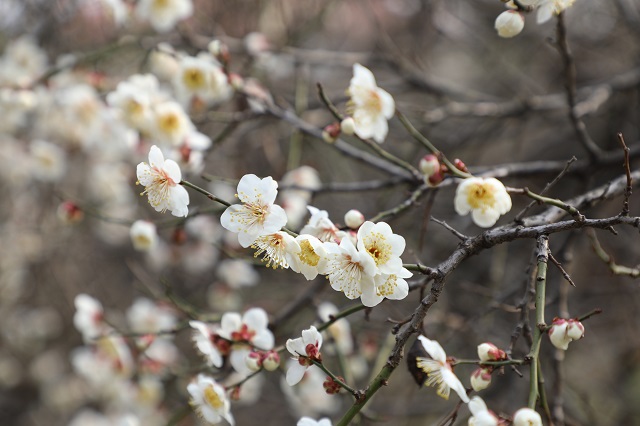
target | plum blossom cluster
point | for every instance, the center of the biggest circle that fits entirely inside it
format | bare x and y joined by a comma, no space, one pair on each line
511,22
368,266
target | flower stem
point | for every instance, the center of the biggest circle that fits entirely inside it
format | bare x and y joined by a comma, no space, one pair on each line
379,381
335,378
342,314
205,192
541,283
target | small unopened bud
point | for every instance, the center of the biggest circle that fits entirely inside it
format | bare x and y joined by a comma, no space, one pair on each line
330,386
490,352
460,165
253,361
236,81
331,132
509,23
480,379
69,212
436,178
219,50
563,331
527,417
271,361
348,126
429,165
353,219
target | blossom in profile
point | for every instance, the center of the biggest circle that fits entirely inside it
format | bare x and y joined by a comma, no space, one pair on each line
209,343
485,198
257,215
321,227
143,235
564,331
371,106
163,14
438,370
490,352
89,317
305,350
547,8
527,417
277,250
350,271
161,179
209,399
509,23
481,415
480,379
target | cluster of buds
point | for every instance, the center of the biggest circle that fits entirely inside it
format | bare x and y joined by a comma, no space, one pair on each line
481,377
434,171
330,386
564,331
256,360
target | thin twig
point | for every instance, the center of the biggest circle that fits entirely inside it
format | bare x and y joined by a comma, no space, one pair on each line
627,169
608,259
559,266
448,227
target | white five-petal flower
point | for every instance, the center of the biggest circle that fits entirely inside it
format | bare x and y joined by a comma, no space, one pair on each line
210,400
371,106
439,373
485,198
257,216
161,179
383,245
304,349
310,260
164,14
350,271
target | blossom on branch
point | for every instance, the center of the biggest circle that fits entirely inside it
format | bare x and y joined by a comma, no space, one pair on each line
277,249
210,400
163,14
439,373
527,417
161,179
371,106
485,198
305,350
481,415
509,23
351,271
564,331
257,216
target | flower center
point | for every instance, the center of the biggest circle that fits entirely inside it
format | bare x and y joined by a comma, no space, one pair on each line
212,398
244,334
307,254
378,247
193,78
480,196
169,123
373,104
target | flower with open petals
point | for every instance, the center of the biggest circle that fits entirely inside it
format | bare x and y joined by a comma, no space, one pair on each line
371,106
310,260
164,14
351,271
210,400
245,332
383,246
485,198
277,249
547,8
161,179
439,373
209,343
89,317
257,215
305,350
321,227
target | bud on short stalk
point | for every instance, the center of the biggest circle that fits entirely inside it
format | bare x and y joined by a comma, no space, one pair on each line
331,132
348,126
353,219
564,331
509,23
481,379
271,361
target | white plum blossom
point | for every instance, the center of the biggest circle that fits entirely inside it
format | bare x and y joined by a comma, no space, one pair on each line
390,286
547,8
257,215
351,271
509,23
304,349
210,400
209,343
201,78
134,98
439,373
163,14
143,235
89,317
321,227
527,417
170,124
485,198
480,379
564,331
371,106
277,249
48,161
383,245
147,316
481,415
311,258
246,331
161,179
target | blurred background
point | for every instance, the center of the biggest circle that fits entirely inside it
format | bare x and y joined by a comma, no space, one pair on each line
69,196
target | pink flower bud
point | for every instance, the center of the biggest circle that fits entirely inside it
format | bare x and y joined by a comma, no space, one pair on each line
271,361
253,361
563,331
69,212
353,219
331,132
429,165
330,386
480,379
490,352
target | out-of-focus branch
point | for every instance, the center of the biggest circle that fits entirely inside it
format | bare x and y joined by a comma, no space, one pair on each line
608,259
